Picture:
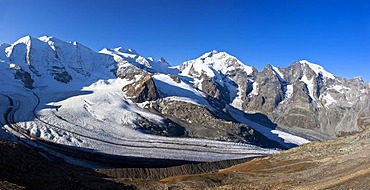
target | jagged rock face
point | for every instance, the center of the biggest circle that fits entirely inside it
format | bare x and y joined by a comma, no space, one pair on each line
300,112
141,90
217,95
304,95
270,93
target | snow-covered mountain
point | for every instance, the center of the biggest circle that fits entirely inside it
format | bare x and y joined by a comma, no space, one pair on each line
72,95
222,77
46,59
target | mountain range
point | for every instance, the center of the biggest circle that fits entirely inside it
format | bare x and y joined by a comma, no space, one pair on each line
67,93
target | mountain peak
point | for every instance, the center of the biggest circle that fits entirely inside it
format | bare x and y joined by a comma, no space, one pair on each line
318,69
215,51
120,49
24,40
45,38
124,50
163,60
212,63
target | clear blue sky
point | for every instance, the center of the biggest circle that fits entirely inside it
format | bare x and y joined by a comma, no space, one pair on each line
333,33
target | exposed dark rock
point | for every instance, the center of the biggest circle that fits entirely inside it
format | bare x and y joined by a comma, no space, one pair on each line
63,76
166,128
141,90
217,95
175,78
25,77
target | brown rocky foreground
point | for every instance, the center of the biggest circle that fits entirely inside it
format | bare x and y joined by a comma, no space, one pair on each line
341,163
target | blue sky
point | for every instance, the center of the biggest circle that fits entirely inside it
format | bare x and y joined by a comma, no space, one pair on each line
332,33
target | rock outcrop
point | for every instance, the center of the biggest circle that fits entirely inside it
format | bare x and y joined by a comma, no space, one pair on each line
200,122
25,77
142,90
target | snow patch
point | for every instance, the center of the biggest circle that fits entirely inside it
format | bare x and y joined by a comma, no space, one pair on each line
169,87
340,88
255,89
328,99
310,85
289,91
278,73
289,138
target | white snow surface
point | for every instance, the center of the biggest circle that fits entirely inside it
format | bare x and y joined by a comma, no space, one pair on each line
255,89
170,88
289,91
